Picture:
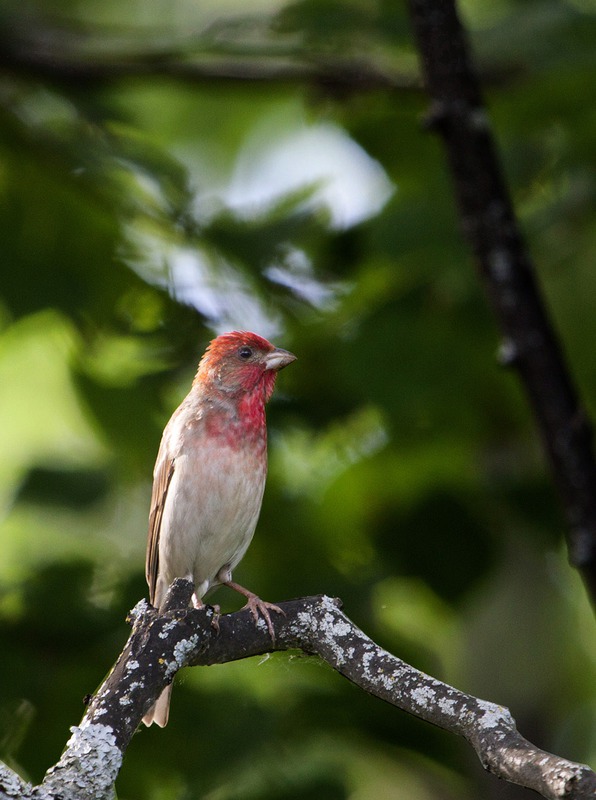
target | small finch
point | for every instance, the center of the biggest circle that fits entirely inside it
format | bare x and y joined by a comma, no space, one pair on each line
210,475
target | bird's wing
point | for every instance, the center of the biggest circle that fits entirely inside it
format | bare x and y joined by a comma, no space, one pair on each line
164,471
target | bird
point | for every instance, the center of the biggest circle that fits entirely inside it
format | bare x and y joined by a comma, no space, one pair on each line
209,477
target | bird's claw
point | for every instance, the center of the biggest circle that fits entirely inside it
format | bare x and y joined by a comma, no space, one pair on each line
258,606
216,611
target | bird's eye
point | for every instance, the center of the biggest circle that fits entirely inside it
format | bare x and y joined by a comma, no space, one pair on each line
245,353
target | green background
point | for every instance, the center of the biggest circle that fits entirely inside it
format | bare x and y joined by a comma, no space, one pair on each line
405,473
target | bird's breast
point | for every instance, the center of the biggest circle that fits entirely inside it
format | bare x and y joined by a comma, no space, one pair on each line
213,503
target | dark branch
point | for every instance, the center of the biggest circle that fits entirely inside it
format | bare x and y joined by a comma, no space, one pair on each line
59,55
337,76
489,224
164,641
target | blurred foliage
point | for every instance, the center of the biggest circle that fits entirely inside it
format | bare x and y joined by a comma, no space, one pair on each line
141,211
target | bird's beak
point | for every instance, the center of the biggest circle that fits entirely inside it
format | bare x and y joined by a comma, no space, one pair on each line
278,359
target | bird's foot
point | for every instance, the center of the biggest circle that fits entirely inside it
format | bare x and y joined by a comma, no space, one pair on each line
215,618
215,611
257,606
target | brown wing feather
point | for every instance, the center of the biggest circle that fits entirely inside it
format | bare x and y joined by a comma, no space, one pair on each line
161,483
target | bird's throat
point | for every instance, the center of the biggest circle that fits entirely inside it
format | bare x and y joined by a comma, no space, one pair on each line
239,421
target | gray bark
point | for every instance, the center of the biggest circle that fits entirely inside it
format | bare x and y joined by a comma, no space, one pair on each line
166,640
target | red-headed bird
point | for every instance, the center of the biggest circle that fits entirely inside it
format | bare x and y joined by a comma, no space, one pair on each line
210,475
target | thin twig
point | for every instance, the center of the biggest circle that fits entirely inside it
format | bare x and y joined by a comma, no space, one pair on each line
530,343
335,76
62,56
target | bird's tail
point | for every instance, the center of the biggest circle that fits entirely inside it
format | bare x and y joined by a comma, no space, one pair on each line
160,711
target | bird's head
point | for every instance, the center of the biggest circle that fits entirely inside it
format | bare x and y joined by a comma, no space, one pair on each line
240,362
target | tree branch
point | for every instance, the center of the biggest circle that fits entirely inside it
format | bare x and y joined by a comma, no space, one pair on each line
162,642
65,63
63,56
11,785
489,224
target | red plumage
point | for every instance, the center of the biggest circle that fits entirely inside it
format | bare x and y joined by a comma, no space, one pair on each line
210,475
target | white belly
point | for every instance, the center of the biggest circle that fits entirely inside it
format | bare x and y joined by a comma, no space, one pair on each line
210,514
